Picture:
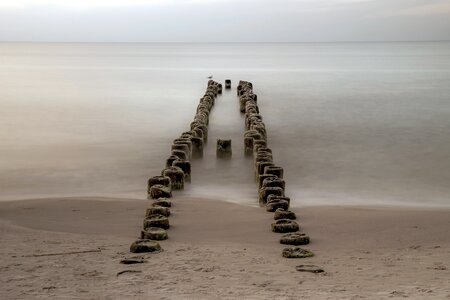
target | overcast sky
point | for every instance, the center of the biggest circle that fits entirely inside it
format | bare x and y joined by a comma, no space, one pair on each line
224,21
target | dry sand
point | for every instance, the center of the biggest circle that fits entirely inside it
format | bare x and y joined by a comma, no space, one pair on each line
220,250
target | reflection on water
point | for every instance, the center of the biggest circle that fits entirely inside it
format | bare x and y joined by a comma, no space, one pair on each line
351,123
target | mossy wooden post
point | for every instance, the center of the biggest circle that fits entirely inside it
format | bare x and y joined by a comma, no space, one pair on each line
199,133
284,214
296,252
284,226
262,177
182,147
259,168
157,210
223,148
163,180
274,205
144,245
263,156
277,197
197,147
176,176
248,146
184,141
258,144
160,191
274,182
261,129
264,193
154,233
294,238
170,160
159,221
274,170
180,154
188,134
185,166
249,137
165,202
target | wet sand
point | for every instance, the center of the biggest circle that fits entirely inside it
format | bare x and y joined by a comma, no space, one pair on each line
220,250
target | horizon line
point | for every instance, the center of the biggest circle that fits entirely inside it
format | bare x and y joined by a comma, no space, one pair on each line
200,42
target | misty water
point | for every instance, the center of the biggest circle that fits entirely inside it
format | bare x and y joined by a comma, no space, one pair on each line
351,123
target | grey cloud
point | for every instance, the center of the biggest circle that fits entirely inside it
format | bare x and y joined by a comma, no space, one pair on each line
231,21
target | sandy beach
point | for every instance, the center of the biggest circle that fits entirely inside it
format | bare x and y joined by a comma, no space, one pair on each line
219,250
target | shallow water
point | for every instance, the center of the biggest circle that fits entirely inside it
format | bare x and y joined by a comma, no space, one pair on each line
351,123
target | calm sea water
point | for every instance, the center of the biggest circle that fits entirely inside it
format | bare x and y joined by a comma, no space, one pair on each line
351,123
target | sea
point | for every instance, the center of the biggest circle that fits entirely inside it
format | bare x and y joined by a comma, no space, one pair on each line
365,124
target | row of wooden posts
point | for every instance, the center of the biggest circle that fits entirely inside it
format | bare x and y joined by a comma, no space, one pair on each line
175,174
269,176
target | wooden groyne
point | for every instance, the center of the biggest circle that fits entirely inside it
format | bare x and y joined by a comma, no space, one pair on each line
269,176
189,145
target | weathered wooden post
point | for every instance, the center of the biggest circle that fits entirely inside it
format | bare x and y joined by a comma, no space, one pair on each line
163,180
274,170
197,147
176,176
223,148
265,192
185,166
180,153
160,191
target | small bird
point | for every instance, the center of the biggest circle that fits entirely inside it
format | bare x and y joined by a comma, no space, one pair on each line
210,77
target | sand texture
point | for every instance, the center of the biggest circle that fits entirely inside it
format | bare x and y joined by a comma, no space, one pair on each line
219,250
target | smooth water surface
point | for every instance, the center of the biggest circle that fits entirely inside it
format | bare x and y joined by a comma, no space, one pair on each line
351,123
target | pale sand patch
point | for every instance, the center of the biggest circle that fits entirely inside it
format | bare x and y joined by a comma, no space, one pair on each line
219,250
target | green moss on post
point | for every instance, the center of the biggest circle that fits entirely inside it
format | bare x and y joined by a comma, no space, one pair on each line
170,160
262,177
160,191
284,214
259,168
176,176
156,221
182,147
157,210
180,154
264,193
274,170
294,238
284,226
145,245
163,180
154,233
164,202
296,252
184,141
274,205
258,144
273,181
185,166
272,198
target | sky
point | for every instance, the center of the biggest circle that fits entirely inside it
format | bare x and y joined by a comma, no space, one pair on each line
224,21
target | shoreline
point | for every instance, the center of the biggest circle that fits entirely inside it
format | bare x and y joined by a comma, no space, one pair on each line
220,250
107,198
